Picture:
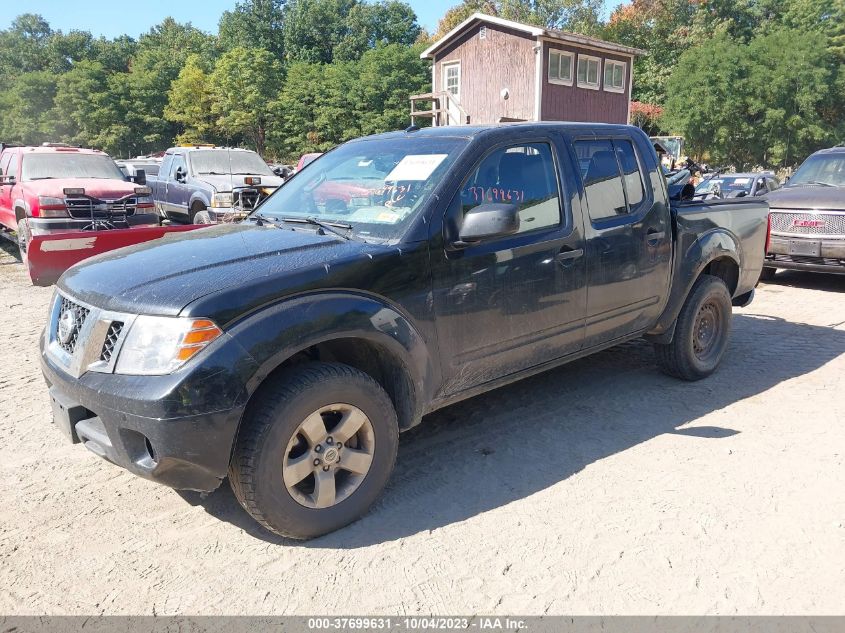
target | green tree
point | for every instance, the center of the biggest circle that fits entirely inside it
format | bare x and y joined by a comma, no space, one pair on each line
313,28
23,47
372,24
387,76
582,16
295,111
25,109
254,23
769,102
189,102
244,83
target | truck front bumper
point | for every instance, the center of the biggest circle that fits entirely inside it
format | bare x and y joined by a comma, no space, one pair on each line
830,258
177,429
52,226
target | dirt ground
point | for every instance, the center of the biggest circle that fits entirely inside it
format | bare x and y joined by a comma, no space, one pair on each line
600,487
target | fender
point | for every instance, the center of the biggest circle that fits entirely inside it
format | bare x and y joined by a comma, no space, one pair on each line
20,203
280,331
199,196
715,244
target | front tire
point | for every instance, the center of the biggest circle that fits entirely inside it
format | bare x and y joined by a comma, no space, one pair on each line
315,450
701,334
203,217
196,208
23,241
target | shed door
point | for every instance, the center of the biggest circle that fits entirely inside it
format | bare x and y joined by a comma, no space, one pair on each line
452,85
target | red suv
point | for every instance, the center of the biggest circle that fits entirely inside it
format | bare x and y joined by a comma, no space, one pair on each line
59,189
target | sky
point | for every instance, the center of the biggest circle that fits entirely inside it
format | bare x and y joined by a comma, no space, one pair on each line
121,17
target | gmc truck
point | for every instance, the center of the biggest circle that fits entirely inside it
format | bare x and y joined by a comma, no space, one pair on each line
208,185
297,344
808,217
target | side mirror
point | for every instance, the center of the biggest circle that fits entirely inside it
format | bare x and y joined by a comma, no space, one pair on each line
180,175
489,221
140,177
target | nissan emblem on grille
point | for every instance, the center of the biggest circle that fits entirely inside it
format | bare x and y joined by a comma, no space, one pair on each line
67,325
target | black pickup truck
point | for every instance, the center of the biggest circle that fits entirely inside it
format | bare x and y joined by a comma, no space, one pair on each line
295,346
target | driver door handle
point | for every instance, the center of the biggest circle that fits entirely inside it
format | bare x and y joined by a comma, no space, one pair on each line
654,236
568,255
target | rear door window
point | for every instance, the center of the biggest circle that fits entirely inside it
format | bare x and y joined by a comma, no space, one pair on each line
602,181
523,175
631,176
613,182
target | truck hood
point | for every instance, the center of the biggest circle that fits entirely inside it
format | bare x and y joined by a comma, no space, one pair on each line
225,183
808,197
163,276
103,188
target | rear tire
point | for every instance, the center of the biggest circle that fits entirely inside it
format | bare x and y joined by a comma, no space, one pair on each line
298,434
767,274
701,333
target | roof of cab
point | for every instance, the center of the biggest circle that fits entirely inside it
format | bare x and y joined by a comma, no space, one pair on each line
470,131
55,149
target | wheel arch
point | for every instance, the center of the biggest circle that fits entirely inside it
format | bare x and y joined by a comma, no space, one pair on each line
716,253
362,331
199,198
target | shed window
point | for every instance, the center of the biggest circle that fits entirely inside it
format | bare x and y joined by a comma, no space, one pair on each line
614,76
589,69
560,67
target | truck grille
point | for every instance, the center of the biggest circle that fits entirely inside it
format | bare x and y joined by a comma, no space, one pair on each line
246,199
807,223
112,335
80,314
84,208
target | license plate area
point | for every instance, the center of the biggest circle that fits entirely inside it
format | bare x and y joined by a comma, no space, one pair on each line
66,414
808,248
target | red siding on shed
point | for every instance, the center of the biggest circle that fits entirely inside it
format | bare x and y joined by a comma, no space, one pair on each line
571,103
504,59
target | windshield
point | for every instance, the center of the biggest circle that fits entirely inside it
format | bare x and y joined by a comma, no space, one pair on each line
222,161
827,169
69,165
375,186
725,184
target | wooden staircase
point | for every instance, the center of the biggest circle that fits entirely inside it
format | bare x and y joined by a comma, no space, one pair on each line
441,108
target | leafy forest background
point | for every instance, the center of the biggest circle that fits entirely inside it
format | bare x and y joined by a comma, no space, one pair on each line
747,82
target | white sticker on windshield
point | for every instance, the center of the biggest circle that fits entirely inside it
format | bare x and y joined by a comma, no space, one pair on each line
742,181
415,167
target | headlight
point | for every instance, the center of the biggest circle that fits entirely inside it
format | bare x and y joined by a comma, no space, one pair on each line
50,207
221,200
160,345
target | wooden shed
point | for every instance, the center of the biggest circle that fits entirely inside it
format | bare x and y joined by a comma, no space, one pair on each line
491,70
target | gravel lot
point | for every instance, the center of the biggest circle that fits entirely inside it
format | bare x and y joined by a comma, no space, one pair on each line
600,487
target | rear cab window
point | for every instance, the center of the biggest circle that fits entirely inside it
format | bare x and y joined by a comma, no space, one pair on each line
524,175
